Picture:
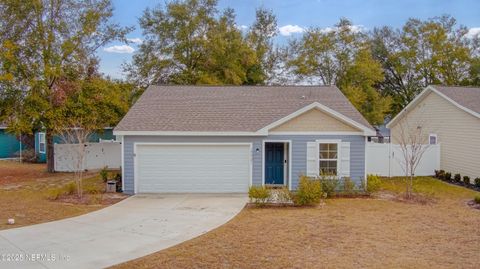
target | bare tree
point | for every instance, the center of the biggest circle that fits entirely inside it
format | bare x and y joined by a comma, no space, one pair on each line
413,142
76,138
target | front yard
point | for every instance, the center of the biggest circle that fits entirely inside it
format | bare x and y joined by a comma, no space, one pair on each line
380,232
25,191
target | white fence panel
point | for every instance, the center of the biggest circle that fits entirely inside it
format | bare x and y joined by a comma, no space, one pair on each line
387,160
97,156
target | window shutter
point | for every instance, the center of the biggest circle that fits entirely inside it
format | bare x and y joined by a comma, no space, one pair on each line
345,159
312,159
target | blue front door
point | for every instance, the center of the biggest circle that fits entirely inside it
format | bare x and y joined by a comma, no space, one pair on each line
274,161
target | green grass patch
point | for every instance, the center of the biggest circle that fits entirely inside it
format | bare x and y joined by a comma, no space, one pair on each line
428,186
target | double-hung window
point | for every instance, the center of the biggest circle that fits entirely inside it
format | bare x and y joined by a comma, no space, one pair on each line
41,142
328,158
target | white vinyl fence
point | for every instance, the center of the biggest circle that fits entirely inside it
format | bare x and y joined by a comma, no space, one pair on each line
97,156
387,160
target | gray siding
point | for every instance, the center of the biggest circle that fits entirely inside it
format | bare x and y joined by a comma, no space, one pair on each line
299,155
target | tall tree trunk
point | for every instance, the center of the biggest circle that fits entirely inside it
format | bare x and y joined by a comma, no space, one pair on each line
50,153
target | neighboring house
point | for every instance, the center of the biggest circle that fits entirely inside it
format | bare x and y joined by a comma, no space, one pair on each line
9,144
449,116
225,139
41,146
382,135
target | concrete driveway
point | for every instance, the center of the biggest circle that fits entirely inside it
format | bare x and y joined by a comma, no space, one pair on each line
133,228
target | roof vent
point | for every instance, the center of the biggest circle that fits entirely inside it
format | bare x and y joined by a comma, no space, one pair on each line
303,97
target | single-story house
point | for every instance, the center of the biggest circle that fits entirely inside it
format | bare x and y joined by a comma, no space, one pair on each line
9,143
225,139
449,116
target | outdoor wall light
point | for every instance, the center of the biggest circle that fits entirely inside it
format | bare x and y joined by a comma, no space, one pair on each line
257,150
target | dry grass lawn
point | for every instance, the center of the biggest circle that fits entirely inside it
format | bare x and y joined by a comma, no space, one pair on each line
24,192
342,233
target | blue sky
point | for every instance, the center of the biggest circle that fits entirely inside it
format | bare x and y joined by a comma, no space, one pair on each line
295,15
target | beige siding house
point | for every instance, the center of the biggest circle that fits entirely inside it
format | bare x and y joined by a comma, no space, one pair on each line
449,116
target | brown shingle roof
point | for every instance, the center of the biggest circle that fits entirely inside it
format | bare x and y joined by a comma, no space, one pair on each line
468,97
227,109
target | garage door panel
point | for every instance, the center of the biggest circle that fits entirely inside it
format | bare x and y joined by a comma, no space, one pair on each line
193,168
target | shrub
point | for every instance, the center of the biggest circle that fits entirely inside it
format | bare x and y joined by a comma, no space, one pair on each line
329,186
466,179
477,199
70,188
348,185
104,174
477,182
373,183
259,194
437,173
457,178
441,174
448,176
309,191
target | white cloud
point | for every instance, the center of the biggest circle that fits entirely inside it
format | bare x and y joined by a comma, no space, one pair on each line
135,40
357,28
241,27
354,28
119,49
472,32
289,29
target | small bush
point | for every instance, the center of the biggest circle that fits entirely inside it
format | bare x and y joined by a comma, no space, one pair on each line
373,183
477,199
457,178
329,184
477,182
104,174
309,191
54,194
441,174
466,179
259,194
348,186
448,176
70,188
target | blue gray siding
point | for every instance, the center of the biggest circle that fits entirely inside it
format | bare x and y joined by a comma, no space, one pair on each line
9,144
299,155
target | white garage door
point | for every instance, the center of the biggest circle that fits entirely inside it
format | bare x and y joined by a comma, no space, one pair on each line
192,168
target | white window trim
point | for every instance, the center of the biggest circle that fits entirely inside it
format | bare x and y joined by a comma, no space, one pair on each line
41,136
330,141
436,139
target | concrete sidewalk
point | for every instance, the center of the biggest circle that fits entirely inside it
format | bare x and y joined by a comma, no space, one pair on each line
133,228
